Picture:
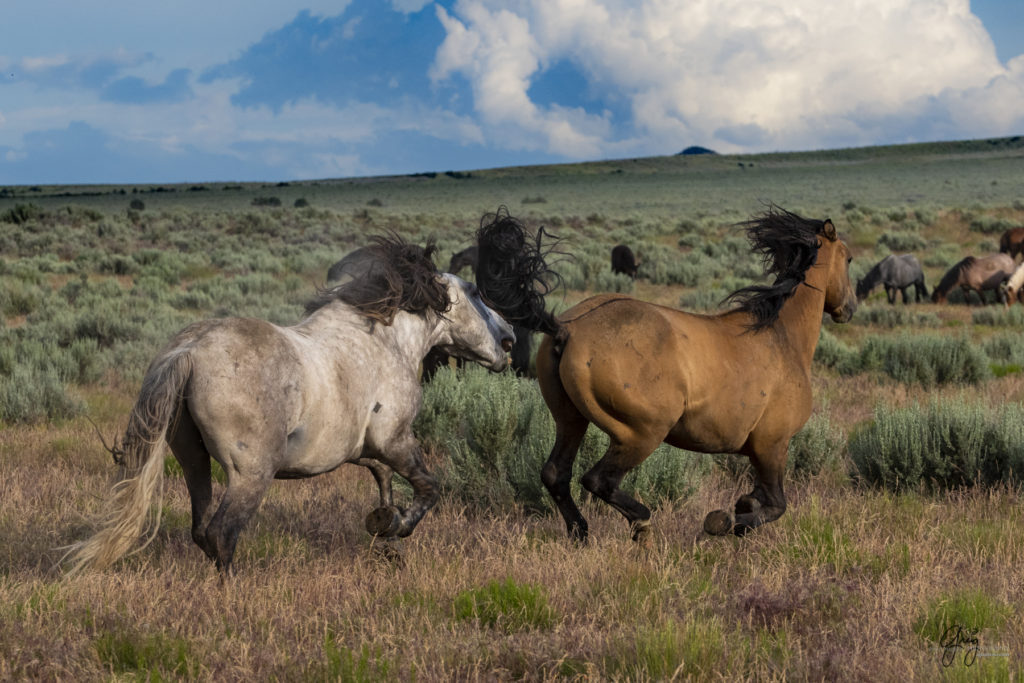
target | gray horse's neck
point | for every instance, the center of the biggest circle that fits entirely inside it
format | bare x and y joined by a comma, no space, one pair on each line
407,338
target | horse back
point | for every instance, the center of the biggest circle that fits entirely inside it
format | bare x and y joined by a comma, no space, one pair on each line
631,366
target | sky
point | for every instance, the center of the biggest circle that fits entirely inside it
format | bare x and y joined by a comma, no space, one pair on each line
135,91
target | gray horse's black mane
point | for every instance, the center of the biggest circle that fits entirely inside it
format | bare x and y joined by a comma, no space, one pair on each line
401,277
788,245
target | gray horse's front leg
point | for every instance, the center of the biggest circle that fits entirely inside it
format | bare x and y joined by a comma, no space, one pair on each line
390,520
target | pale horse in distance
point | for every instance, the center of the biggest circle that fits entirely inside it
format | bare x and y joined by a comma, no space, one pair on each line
270,402
1013,288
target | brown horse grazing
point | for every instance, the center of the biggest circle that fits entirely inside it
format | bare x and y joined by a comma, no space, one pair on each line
736,382
1012,242
978,275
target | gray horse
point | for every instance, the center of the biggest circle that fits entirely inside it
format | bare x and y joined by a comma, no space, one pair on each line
895,273
272,402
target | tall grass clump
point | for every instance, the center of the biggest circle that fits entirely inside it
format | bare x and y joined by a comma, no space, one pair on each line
942,445
927,360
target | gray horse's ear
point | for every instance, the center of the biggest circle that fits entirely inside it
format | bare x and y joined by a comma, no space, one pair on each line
829,230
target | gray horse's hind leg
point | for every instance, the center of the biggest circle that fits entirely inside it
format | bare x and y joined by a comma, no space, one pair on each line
187,445
405,458
243,496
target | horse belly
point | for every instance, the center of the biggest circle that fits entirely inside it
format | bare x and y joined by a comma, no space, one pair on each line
717,423
311,451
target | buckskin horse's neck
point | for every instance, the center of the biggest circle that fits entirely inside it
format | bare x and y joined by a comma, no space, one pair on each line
800,317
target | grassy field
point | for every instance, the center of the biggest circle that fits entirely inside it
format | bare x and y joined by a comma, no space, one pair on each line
861,579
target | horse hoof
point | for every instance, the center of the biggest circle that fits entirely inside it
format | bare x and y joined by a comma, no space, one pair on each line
384,521
642,534
718,523
747,504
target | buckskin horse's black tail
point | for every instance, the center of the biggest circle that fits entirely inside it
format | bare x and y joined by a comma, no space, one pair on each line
512,272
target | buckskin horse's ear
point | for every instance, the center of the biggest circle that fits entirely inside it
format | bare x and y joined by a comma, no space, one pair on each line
829,230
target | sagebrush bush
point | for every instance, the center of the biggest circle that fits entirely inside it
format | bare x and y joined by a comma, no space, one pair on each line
496,433
942,445
902,240
928,360
999,316
817,447
893,316
835,353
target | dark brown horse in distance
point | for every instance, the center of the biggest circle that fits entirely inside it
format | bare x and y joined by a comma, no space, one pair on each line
624,261
736,382
1012,242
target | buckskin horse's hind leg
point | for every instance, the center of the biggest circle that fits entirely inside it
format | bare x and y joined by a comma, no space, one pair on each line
557,472
570,428
603,481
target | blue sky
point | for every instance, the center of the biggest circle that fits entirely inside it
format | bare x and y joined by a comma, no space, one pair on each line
190,91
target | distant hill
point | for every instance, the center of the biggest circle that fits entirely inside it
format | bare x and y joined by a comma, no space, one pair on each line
697,150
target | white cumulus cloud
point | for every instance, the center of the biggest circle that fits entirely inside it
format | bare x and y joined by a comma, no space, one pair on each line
737,75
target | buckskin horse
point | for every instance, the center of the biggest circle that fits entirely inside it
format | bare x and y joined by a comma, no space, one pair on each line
272,402
735,382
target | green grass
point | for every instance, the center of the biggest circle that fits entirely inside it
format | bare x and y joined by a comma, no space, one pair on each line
145,656
505,605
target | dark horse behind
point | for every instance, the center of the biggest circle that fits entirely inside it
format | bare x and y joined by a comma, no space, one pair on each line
736,382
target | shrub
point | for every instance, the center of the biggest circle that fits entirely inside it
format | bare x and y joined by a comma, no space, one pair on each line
30,394
902,240
21,213
301,202
991,225
266,201
943,445
928,360
833,353
817,447
137,205
607,281
999,316
497,432
893,316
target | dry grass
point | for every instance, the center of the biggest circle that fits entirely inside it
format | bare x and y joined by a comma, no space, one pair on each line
838,588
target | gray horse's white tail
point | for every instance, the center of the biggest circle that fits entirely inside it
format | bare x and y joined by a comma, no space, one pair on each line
131,513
